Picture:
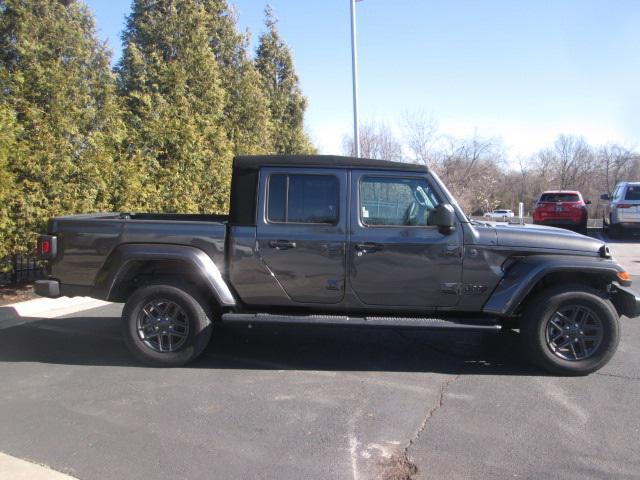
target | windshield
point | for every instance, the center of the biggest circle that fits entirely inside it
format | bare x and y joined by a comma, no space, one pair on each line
559,197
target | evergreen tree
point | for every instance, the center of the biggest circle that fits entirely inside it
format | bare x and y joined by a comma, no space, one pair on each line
8,134
246,115
56,76
170,80
280,82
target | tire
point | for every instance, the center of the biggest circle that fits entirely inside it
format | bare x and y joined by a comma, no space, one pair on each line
614,231
537,329
179,342
583,229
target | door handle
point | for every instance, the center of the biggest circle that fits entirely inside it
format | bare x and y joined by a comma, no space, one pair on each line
367,247
282,244
452,251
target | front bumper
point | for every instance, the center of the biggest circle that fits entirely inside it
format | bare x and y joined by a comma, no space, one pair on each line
47,288
626,301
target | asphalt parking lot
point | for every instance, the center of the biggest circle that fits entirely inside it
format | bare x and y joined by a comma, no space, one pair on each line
318,403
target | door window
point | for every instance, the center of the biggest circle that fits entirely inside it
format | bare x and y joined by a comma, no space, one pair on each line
299,198
389,201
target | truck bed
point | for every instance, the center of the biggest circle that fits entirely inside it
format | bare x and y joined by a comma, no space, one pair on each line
86,242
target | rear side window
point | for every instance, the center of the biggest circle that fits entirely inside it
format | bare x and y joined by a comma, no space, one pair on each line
388,201
303,199
559,197
633,192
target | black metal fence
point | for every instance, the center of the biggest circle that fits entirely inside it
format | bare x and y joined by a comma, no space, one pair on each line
19,269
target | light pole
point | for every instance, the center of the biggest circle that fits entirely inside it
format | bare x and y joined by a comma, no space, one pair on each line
354,69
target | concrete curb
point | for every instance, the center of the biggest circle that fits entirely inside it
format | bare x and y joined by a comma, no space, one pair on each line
16,469
39,308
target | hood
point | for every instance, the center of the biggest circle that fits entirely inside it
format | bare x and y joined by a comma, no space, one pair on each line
546,238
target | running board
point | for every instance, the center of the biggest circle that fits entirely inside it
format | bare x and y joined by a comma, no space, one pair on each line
417,322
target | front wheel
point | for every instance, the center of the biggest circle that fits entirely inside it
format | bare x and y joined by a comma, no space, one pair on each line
570,330
166,325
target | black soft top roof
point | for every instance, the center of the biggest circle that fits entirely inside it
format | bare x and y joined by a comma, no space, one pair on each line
257,161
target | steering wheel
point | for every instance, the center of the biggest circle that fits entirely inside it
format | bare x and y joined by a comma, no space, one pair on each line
415,214
420,197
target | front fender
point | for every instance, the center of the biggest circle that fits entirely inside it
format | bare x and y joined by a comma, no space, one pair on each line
116,266
521,277
626,301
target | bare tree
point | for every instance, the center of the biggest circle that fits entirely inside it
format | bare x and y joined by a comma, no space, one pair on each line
476,170
575,161
421,135
376,141
617,162
473,169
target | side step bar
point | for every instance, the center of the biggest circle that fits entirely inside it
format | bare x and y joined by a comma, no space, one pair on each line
417,322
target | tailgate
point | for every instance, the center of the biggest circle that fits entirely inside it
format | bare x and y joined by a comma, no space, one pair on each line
558,209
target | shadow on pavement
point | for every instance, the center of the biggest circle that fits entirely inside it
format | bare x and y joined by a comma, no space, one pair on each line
630,237
96,341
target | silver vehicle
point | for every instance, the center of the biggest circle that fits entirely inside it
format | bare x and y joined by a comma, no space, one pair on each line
622,210
502,214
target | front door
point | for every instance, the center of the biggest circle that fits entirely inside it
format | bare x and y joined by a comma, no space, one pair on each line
396,257
301,231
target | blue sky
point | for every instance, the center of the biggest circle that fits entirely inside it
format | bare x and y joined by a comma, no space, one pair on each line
522,71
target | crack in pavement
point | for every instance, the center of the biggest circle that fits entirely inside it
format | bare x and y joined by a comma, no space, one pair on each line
439,403
399,466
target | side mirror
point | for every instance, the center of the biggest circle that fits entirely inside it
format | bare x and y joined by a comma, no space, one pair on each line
443,217
605,196
587,202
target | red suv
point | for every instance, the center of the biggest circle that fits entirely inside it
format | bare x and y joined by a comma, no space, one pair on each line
562,208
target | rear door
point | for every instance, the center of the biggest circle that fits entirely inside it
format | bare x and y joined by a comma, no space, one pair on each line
301,231
396,257
629,204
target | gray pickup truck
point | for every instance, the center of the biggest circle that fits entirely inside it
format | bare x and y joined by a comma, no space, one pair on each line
341,241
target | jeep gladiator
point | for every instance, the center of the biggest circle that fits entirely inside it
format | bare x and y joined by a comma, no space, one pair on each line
341,241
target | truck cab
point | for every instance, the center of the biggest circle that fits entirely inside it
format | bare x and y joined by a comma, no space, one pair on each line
357,235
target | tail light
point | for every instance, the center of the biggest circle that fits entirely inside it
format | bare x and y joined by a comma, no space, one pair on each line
624,205
47,246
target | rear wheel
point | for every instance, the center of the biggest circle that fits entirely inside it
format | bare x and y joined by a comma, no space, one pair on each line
583,228
570,330
613,230
166,325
